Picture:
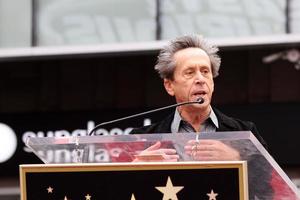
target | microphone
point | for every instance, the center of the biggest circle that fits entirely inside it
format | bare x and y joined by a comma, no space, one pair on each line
200,100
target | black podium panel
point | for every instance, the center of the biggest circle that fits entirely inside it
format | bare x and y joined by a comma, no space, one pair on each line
182,181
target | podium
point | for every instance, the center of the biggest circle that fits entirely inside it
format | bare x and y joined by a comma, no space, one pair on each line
102,167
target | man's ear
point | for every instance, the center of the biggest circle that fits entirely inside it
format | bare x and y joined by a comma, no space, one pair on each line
169,86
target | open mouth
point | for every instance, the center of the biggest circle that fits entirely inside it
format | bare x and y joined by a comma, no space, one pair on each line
199,94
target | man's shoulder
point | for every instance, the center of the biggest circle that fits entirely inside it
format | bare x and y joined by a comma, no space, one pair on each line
227,123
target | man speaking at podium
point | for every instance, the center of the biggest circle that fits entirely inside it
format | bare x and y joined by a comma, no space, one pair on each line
188,66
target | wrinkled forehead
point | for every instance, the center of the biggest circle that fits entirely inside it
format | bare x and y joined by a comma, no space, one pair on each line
190,52
191,56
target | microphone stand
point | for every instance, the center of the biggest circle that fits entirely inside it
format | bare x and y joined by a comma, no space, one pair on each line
199,101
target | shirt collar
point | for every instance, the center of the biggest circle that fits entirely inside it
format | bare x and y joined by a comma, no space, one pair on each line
177,119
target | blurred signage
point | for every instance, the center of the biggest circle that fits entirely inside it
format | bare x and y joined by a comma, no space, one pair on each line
15,129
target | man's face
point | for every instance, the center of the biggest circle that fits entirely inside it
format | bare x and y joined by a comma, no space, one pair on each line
192,77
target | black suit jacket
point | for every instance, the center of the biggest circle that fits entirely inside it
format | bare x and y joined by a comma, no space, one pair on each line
225,124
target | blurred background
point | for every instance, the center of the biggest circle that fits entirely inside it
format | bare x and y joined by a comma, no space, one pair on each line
66,65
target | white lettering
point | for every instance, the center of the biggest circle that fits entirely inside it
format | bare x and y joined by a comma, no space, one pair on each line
65,156
147,122
25,136
127,131
90,126
101,155
79,132
116,131
101,131
62,156
62,133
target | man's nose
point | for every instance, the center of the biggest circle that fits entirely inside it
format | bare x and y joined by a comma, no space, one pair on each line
199,78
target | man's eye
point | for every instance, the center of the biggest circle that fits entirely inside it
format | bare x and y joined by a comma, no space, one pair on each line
189,73
205,71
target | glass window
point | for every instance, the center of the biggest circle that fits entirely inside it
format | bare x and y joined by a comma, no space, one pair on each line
74,22
91,21
222,18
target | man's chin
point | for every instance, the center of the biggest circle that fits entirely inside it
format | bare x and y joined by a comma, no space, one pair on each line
199,106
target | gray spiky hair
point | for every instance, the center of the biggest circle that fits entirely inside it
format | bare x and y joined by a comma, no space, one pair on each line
166,64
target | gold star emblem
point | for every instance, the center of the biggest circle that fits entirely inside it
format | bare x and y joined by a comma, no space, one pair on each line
212,195
88,197
169,190
132,197
50,189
